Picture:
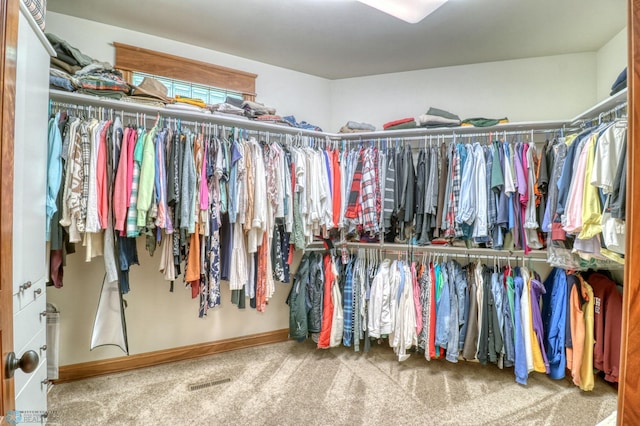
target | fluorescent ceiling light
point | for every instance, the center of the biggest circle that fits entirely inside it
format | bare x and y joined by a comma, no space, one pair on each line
411,11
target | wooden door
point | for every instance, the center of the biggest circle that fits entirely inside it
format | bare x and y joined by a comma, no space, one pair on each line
629,386
9,10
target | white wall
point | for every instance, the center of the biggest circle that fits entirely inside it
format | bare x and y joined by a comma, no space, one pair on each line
611,60
546,88
275,86
156,318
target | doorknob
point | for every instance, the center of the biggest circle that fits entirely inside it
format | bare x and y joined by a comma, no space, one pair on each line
27,363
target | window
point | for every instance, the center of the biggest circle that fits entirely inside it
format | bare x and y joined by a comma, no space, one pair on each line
209,94
199,79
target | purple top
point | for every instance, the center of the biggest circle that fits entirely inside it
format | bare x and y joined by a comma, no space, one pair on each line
537,289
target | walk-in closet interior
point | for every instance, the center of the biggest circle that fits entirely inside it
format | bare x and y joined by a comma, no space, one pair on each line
181,179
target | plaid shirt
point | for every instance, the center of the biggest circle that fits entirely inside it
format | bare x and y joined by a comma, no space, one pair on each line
369,194
85,149
354,193
378,162
454,229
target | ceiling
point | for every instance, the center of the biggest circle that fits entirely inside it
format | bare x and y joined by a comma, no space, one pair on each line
345,38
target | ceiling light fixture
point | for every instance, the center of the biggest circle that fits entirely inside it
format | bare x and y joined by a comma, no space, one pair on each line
411,11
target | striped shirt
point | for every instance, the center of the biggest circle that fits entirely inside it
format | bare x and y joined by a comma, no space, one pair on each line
132,213
348,305
354,193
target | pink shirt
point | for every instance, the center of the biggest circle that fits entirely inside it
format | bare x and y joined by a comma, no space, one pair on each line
120,198
133,136
101,178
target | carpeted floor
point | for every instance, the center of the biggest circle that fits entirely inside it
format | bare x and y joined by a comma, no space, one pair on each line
294,384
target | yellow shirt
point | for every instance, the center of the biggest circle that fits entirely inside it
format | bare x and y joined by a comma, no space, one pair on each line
591,216
586,369
568,140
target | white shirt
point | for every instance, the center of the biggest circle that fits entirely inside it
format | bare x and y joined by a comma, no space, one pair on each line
481,189
379,321
259,220
607,158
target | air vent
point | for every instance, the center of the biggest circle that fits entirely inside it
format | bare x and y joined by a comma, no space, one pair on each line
208,384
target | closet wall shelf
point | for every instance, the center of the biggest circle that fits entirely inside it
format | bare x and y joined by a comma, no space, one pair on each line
538,126
604,106
536,255
225,120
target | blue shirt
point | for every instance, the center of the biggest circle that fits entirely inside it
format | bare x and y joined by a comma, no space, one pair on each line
54,171
521,359
554,319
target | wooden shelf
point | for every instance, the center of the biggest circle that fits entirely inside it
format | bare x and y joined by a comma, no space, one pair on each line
73,98
602,106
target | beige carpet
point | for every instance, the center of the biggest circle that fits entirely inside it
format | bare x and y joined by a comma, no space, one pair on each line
295,384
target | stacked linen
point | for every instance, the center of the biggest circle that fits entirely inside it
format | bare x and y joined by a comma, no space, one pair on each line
356,127
227,109
435,117
89,75
101,79
273,119
401,124
62,80
300,125
188,104
483,122
254,109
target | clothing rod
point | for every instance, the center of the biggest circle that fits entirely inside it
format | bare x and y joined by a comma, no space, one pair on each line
606,113
476,252
71,99
514,257
435,137
110,112
461,130
462,256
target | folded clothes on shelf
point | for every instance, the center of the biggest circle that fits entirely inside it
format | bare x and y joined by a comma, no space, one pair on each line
355,126
401,124
435,117
300,125
484,122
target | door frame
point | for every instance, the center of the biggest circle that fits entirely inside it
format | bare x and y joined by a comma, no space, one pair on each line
9,10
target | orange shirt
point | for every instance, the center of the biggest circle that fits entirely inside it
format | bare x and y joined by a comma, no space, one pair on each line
574,355
324,341
192,274
335,157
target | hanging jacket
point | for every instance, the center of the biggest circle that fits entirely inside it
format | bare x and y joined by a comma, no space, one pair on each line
314,293
298,326
409,189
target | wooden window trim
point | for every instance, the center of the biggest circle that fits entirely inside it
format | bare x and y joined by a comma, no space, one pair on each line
131,58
